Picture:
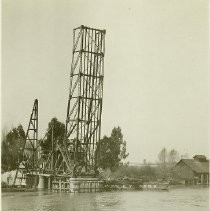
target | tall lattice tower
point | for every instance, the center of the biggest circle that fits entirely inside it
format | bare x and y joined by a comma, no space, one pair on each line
30,149
83,122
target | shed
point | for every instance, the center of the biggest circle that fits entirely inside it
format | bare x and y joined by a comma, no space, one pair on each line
193,171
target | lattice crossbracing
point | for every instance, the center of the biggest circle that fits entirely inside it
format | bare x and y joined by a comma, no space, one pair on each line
75,154
83,122
30,149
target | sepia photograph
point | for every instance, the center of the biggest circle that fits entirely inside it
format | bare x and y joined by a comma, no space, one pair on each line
105,105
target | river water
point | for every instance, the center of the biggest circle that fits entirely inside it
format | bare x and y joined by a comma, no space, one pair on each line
176,199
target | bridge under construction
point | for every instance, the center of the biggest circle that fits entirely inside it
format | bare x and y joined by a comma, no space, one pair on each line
74,157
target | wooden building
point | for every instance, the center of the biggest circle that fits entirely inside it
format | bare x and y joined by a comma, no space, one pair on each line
192,171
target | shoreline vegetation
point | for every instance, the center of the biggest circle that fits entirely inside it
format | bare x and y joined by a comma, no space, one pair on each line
111,162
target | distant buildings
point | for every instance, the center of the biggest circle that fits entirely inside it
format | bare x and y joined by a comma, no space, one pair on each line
192,171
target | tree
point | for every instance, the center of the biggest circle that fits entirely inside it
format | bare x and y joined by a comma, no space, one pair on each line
167,161
117,137
4,155
12,143
163,155
58,134
173,156
111,150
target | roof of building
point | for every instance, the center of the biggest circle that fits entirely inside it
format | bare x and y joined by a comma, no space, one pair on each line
200,156
199,167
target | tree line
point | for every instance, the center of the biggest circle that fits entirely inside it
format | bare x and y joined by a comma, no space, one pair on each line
171,156
112,148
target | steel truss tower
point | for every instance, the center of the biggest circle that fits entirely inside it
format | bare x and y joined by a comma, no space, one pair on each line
83,122
30,149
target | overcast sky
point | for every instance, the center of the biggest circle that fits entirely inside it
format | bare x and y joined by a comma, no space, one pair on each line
156,68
